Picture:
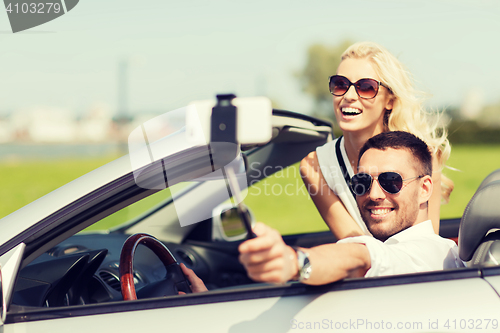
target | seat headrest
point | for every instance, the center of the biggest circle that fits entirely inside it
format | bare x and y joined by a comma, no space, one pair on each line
495,175
480,216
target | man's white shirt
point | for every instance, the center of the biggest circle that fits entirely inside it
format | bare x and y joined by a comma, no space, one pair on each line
416,249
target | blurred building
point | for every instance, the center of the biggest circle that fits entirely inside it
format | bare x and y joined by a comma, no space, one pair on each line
48,125
473,104
6,131
56,125
96,126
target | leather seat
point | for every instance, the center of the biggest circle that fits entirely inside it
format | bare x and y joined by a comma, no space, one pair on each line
478,238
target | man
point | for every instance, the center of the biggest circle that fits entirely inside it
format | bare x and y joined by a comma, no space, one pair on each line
392,190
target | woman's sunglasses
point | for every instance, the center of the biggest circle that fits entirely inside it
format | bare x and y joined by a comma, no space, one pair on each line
365,88
391,182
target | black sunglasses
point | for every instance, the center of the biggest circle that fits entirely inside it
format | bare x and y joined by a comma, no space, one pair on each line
365,88
391,182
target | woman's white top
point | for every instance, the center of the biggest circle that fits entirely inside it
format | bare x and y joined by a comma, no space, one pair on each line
332,172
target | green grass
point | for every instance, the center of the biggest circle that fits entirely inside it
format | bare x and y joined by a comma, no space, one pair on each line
24,181
474,163
282,202
130,212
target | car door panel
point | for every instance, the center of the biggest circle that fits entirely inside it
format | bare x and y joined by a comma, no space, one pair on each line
424,303
358,303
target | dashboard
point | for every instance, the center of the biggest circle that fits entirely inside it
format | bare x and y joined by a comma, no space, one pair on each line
84,269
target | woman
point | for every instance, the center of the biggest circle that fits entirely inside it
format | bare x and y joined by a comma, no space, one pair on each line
372,93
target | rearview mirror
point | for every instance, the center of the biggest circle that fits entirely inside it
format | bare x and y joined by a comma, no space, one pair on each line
227,225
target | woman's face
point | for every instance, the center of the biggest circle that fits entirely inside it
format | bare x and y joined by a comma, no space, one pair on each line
355,114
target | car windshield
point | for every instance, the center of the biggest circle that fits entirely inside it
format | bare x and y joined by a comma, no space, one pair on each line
169,139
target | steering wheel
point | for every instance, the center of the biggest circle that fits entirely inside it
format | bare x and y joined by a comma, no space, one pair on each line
175,280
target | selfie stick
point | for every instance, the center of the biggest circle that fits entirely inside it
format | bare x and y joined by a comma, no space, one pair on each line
242,210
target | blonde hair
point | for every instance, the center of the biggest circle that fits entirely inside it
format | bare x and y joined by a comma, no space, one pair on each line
408,113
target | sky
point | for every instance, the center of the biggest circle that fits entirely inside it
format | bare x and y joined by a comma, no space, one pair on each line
180,51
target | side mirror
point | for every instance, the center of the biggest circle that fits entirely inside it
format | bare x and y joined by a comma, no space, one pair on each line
9,266
227,225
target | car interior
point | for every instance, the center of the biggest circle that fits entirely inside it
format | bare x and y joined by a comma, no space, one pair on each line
84,268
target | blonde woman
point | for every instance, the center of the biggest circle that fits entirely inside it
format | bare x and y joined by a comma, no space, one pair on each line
372,93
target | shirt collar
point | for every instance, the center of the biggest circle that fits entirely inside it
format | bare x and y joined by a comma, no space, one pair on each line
423,228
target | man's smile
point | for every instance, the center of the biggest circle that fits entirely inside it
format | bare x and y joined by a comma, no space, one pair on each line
381,211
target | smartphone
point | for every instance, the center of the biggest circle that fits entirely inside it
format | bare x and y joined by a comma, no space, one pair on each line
253,126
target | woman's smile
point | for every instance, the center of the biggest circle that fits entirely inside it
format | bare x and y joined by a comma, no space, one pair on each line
350,111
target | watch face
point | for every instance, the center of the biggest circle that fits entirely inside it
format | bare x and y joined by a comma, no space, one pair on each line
307,272
303,264
301,258
305,267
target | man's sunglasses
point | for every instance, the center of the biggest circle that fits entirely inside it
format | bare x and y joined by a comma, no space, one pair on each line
391,182
365,88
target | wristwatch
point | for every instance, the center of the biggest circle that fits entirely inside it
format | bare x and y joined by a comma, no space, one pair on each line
304,265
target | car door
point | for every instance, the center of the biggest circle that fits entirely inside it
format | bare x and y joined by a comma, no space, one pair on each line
454,300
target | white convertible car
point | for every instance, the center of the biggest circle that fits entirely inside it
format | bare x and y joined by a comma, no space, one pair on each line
59,276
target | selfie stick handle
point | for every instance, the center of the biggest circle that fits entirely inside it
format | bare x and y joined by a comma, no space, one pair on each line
242,210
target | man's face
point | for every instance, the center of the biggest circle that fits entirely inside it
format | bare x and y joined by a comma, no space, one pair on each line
386,214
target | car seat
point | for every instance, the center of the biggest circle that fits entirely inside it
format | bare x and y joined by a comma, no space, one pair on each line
479,232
